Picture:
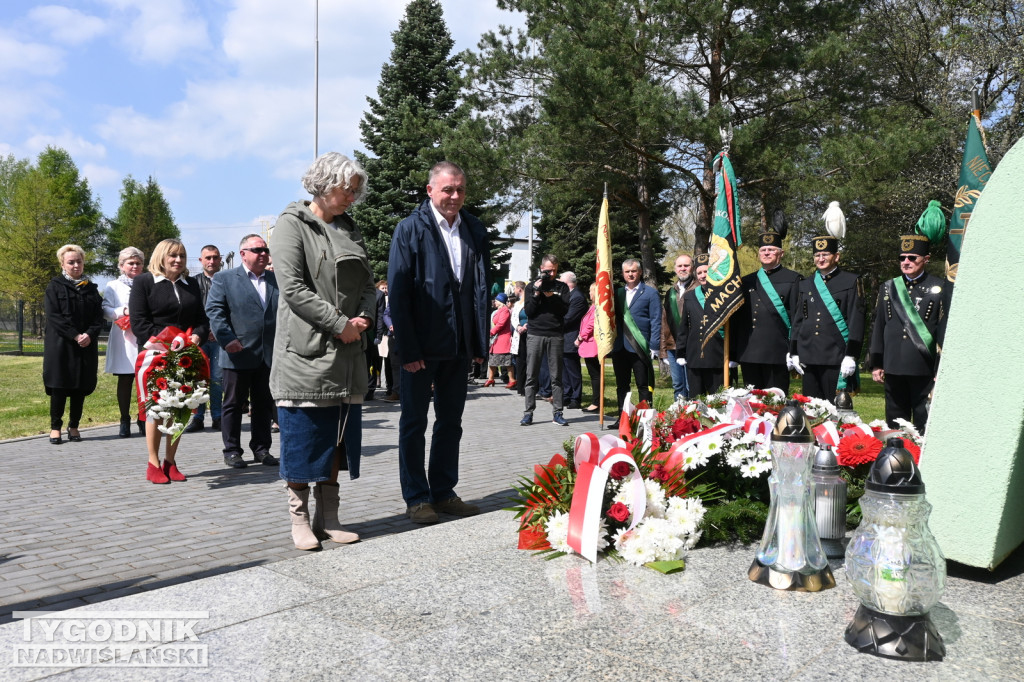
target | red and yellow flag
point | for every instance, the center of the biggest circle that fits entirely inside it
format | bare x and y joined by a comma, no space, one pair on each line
604,319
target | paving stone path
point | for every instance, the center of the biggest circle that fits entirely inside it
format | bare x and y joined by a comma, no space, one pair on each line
81,524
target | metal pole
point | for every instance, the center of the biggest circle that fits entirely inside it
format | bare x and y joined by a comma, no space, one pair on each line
21,327
316,79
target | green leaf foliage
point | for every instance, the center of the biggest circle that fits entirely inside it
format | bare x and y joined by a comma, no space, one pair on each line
143,220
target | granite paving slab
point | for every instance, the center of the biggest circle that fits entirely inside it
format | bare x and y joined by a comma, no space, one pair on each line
473,607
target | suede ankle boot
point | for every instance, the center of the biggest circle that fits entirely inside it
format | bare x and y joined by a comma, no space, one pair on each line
298,506
325,518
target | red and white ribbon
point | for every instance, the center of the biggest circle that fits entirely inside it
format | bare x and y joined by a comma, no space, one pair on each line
588,495
826,433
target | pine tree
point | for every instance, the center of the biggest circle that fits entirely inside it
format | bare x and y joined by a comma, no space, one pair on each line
416,101
143,220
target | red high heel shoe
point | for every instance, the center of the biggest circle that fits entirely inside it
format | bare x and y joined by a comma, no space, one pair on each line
171,472
156,475
489,382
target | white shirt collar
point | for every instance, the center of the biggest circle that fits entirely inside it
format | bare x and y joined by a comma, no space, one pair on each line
442,221
160,278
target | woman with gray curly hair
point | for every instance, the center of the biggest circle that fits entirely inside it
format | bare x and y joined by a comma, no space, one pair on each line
122,349
318,377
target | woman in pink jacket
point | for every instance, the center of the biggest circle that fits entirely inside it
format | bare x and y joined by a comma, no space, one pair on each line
587,346
501,341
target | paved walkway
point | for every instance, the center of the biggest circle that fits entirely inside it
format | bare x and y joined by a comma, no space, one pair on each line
82,525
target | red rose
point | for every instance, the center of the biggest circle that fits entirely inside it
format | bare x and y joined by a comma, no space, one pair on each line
913,449
619,471
185,361
660,473
857,448
801,398
155,396
186,389
618,512
684,426
161,383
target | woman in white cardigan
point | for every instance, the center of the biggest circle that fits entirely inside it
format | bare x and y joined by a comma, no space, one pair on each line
123,348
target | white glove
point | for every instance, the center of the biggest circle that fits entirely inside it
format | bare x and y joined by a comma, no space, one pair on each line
733,364
848,367
654,355
681,362
789,362
797,367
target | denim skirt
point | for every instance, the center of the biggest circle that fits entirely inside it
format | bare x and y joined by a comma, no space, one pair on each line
308,438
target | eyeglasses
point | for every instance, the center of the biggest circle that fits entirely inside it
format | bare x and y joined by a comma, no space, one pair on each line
912,258
259,250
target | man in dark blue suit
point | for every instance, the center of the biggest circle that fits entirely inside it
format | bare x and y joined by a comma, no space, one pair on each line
242,307
638,335
438,293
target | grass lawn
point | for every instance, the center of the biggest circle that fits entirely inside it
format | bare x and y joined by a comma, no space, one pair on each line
869,403
25,407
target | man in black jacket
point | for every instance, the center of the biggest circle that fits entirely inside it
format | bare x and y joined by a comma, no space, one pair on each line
572,375
906,339
546,301
438,294
828,329
762,325
209,258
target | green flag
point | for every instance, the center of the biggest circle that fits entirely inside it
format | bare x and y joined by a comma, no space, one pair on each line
725,291
974,174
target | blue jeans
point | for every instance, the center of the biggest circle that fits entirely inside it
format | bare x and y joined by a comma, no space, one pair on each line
212,350
680,385
434,482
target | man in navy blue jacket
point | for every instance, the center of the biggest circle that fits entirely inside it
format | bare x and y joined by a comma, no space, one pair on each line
437,284
638,335
242,307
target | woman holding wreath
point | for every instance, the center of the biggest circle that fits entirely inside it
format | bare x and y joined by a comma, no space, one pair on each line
165,297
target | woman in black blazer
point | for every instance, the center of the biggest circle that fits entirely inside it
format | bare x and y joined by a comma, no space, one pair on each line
165,297
74,318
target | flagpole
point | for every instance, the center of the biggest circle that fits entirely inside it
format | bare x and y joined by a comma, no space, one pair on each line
725,354
600,404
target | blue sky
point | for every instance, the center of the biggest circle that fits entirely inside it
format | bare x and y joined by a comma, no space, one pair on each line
213,98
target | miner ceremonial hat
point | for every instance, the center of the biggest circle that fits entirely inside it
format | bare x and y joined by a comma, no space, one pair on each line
825,243
916,244
701,259
769,239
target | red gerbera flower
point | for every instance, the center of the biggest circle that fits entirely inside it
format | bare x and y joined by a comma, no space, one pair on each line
161,383
857,448
801,398
913,449
185,361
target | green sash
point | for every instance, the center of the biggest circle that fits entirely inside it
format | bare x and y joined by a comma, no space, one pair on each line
837,317
634,332
911,318
774,297
677,317
700,299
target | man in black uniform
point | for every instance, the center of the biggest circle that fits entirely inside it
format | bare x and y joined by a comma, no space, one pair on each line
763,324
828,329
910,322
704,370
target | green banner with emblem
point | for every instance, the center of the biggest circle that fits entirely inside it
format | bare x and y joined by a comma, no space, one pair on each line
974,174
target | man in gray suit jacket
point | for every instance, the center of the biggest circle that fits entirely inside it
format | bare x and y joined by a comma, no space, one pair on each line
242,307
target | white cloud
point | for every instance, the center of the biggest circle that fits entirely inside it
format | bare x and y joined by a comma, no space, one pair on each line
26,102
33,59
75,145
101,176
162,31
66,25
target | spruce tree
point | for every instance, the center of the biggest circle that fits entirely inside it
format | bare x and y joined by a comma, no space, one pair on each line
416,101
143,220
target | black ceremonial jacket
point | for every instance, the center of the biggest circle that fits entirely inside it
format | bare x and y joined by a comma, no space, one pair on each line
689,335
760,334
891,348
815,337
